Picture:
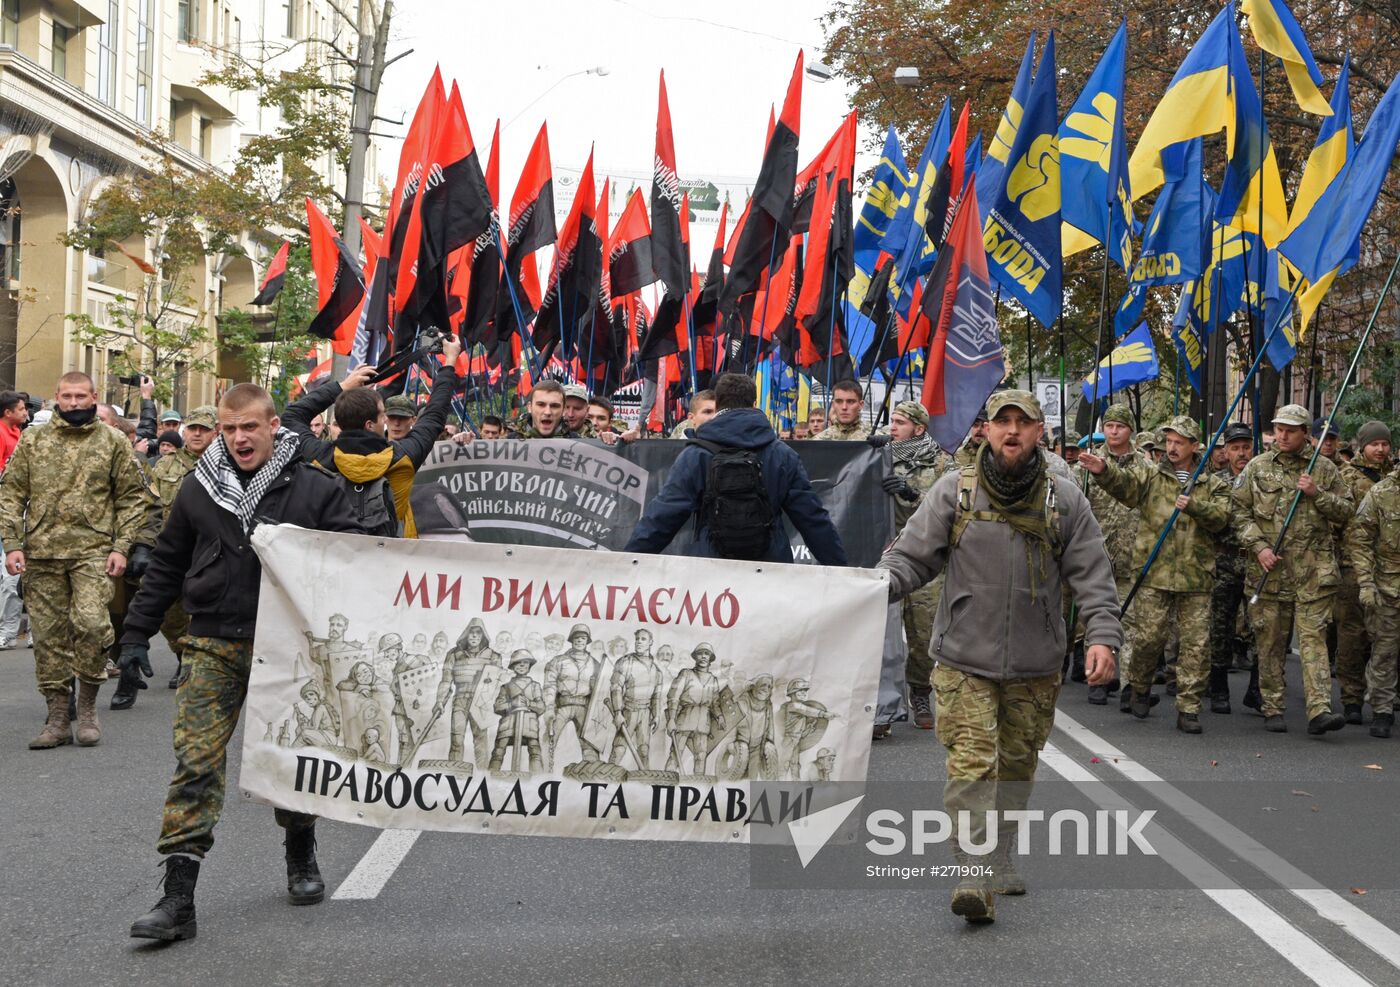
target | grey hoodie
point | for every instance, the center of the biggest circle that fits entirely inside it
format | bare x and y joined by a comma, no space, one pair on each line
987,622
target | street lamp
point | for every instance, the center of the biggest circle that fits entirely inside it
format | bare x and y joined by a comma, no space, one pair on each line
598,70
906,76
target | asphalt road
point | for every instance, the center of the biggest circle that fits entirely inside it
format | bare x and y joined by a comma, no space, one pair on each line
1256,814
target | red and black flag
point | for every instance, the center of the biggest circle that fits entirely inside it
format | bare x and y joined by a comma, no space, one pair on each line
805,187
339,289
530,227
275,276
595,325
830,259
768,226
947,186
631,250
670,257
574,277
483,292
357,344
456,209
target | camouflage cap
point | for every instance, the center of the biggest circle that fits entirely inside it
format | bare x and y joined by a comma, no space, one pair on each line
575,391
205,416
520,656
1236,431
1293,414
1119,413
1184,426
1024,400
1145,440
400,406
914,411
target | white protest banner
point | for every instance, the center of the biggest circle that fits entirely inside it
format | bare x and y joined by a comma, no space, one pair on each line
552,692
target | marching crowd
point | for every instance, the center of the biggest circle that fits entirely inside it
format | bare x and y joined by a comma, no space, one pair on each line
115,531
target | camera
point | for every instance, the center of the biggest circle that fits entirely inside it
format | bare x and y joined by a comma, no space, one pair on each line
134,380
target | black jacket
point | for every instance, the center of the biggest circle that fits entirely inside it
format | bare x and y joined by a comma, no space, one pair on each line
204,552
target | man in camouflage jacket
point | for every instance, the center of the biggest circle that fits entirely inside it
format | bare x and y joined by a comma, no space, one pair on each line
1367,469
1373,555
1304,576
1179,581
1227,595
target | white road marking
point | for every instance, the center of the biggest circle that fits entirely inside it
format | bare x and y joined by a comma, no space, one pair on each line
377,865
1305,953
1374,935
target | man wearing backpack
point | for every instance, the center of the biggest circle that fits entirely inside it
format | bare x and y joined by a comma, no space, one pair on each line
737,481
377,471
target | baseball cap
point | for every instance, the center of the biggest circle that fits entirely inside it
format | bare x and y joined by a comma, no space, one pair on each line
1236,431
170,415
1184,426
1145,440
914,411
1293,414
1024,400
1321,424
575,391
205,415
400,406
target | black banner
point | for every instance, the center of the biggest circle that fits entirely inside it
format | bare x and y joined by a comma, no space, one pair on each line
583,494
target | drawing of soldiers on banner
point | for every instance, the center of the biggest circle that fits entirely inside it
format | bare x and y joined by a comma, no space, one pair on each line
569,680
635,694
820,769
319,725
440,645
365,703
519,703
391,656
752,753
803,722
461,673
694,712
333,654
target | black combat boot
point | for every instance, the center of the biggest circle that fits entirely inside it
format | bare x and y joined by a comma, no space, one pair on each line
1252,699
1219,690
1381,724
304,884
1274,723
1098,695
1188,722
1326,723
1352,712
173,917
1141,704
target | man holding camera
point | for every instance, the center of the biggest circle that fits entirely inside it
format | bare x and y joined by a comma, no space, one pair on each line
71,502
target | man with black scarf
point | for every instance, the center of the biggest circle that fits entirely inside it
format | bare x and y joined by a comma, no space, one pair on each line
1012,538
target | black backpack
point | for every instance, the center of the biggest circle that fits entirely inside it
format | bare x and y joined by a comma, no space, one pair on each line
735,508
373,506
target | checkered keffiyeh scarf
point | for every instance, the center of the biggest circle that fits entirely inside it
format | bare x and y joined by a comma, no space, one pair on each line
218,474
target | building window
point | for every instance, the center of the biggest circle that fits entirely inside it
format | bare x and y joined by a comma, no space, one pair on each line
59,64
9,32
9,231
145,54
107,35
187,20
115,359
97,266
289,8
206,140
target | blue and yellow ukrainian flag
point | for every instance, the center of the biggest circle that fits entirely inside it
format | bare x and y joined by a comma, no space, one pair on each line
1097,206
1251,197
991,174
1197,102
1277,31
1022,231
905,240
887,187
1133,361
1282,346
1330,153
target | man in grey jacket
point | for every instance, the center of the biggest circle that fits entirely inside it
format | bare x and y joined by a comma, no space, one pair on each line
1011,535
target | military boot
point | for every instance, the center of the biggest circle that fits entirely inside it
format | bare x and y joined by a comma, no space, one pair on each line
1252,699
89,730
1381,724
304,884
173,917
1098,695
1188,723
1005,878
923,712
56,731
1142,703
1219,690
1326,723
1352,712
974,901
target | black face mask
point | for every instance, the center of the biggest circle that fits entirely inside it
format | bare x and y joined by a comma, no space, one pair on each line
79,416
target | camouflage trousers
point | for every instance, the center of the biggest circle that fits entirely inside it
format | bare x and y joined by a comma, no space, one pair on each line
1155,613
213,685
174,628
918,610
1353,643
1226,599
1383,625
993,732
1273,622
67,600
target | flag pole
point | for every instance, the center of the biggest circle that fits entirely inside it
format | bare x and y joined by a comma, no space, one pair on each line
1064,412
1263,257
1030,356
763,313
1210,447
1331,417
1098,358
